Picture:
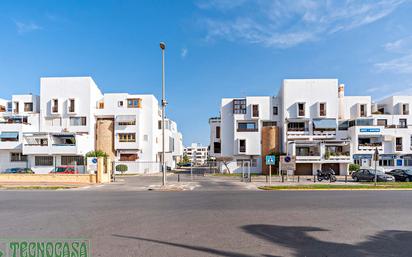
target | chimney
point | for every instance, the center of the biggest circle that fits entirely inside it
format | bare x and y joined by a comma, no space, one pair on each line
341,96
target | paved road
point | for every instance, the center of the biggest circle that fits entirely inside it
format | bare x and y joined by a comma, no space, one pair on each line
216,223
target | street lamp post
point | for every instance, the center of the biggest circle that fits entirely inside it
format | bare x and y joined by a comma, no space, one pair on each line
163,46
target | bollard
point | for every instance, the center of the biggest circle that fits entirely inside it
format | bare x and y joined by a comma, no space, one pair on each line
314,179
178,177
283,178
266,178
298,178
346,178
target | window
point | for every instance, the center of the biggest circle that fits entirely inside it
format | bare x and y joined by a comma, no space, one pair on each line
55,106
246,163
77,121
247,126
127,137
405,109
171,144
43,160
296,126
52,122
362,110
403,123
301,109
255,110
73,160
128,157
322,109
16,107
134,103
28,107
217,132
343,125
100,105
242,145
239,106
18,157
159,124
270,124
382,122
120,103
386,162
398,144
275,110
216,147
71,105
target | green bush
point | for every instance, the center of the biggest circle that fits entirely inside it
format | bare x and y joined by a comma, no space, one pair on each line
121,168
354,167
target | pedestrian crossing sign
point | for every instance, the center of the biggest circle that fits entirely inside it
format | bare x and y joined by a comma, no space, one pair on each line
270,160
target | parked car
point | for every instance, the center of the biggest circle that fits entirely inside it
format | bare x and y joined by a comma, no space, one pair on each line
369,175
65,170
401,174
18,171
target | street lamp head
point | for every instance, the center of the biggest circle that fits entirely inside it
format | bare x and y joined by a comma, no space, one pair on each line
162,45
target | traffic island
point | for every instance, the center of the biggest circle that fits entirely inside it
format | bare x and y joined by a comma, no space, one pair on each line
359,186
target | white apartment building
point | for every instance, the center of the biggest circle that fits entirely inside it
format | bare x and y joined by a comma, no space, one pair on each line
72,117
196,153
314,121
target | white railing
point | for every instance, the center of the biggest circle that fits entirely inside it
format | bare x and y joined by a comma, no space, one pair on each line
138,167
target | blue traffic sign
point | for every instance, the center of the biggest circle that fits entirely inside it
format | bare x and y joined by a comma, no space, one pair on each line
270,160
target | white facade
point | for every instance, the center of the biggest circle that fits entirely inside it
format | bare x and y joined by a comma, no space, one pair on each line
319,125
196,153
59,127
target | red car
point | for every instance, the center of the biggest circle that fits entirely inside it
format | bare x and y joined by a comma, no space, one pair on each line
65,170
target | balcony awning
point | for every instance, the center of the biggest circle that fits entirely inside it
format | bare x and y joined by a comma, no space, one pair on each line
125,118
324,124
13,135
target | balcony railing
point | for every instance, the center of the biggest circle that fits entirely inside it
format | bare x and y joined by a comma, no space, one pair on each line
247,129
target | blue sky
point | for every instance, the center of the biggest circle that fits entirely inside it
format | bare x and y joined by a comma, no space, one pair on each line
215,49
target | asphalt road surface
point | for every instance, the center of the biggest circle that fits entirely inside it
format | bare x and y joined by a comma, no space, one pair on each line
216,222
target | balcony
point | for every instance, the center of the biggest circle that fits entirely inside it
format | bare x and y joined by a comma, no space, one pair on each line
308,158
338,156
370,147
56,143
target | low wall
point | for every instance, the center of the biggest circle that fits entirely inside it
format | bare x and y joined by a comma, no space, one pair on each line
56,178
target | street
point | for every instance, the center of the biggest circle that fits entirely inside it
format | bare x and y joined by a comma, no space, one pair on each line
215,222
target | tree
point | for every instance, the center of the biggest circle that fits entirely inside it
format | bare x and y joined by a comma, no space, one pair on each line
353,167
185,159
122,168
97,153
225,160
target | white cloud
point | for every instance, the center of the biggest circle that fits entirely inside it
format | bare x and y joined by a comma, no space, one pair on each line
398,65
289,23
184,52
26,27
402,64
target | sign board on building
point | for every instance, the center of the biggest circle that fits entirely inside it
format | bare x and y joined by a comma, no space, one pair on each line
368,130
270,160
92,165
287,162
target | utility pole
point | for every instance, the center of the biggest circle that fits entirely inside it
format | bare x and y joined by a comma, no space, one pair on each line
163,46
376,159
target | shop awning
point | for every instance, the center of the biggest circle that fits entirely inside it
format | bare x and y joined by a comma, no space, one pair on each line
324,124
13,135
